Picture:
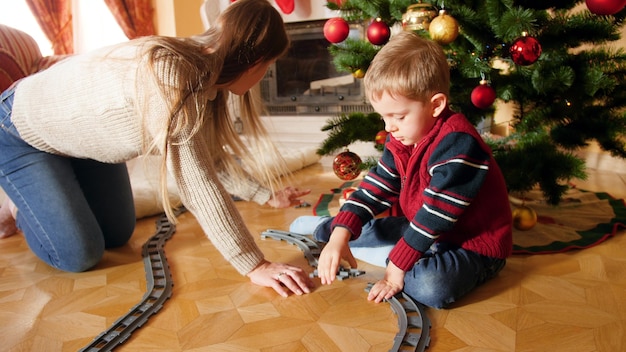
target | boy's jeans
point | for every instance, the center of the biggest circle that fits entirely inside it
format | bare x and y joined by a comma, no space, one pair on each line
440,277
69,210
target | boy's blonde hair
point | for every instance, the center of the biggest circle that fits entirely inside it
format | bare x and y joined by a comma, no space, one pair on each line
247,33
410,66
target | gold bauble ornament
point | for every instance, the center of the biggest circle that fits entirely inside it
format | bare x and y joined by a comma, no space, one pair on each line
418,16
524,218
444,28
358,73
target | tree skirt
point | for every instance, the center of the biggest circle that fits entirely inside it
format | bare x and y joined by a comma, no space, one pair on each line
582,219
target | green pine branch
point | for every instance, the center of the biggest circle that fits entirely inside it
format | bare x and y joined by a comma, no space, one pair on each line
346,129
352,55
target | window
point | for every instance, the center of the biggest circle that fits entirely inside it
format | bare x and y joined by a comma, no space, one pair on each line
16,14
94,25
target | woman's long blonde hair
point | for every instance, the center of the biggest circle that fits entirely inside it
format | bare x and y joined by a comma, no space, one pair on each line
247,33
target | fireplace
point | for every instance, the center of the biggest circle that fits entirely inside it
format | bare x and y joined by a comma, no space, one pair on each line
306,82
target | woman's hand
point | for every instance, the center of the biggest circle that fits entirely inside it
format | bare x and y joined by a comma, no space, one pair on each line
282,278
287,197
7,219
392,283
334,251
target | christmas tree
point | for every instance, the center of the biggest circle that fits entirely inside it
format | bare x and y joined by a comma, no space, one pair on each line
549,59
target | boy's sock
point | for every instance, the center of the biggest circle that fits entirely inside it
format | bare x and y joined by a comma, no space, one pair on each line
306,225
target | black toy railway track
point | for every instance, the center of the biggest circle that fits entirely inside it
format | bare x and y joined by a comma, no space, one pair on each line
413,323
310,248
414,334
159,289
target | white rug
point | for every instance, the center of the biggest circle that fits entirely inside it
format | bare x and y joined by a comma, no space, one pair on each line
144,178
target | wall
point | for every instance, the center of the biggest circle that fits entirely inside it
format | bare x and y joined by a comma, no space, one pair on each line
178,18
304,10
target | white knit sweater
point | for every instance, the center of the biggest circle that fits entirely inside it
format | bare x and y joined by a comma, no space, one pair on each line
86,107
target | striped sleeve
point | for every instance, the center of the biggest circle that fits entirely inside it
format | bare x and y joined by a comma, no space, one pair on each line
377,192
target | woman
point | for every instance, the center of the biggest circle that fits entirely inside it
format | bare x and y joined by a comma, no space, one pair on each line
68,131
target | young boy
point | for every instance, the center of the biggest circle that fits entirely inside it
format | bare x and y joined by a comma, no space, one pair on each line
457,226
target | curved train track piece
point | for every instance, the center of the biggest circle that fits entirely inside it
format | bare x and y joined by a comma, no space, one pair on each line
311,251
310,248
413,323
159,289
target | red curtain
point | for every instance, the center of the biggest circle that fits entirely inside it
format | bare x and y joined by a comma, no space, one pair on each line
134,16
55,19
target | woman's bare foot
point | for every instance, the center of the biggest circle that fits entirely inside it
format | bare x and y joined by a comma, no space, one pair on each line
7,219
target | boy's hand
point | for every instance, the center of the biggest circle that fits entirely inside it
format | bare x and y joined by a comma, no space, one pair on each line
392,283
334,251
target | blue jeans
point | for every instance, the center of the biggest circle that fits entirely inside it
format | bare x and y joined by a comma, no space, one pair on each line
69,209
440,277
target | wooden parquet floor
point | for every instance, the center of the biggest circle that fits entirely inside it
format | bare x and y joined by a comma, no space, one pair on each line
574,301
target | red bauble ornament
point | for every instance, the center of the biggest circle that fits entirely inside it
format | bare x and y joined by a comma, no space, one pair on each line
381,137
605,7
378,32
347,165
483,96
286,6
336,30
336,2
525,50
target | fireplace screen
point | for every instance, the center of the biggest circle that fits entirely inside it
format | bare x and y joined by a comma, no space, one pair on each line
305,81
